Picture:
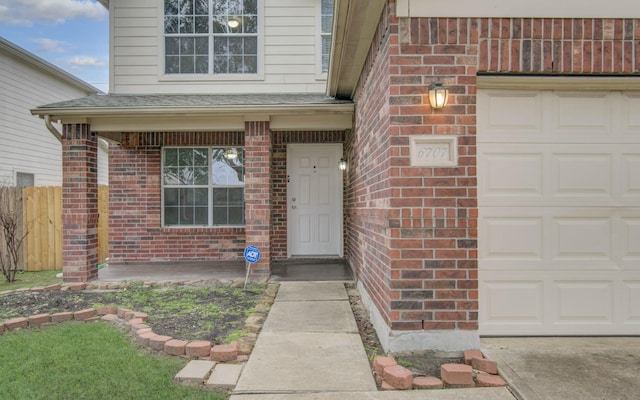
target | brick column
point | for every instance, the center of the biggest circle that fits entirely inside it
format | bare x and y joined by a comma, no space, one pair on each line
257,193
79,203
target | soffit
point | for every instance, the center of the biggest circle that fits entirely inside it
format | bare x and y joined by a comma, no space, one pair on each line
354,25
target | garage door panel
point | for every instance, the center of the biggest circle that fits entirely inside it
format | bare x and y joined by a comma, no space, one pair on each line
577,303
582,175
512,239
511,113
630,118
582,240
631,302
630,175
577,113
500,309
509,174
630,241
558,174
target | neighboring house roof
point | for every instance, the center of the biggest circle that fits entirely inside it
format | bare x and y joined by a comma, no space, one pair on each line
12,49
150,104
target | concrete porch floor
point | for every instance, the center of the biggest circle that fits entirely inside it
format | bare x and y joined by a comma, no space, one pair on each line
289,270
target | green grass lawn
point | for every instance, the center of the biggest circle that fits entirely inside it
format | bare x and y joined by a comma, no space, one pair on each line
30,279
87,361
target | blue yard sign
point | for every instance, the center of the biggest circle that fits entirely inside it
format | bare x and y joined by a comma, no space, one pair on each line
252,254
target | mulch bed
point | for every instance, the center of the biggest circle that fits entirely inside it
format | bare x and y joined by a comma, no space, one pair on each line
169,312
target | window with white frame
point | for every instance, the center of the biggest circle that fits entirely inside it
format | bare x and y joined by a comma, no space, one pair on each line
203,186
326,24
211,36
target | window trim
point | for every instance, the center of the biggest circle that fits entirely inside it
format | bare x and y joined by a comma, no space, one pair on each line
320,75
210,186
164,77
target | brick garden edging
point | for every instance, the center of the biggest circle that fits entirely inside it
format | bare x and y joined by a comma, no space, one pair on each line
142,333
476,371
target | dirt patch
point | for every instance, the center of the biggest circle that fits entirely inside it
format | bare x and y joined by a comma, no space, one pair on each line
423,363
204,313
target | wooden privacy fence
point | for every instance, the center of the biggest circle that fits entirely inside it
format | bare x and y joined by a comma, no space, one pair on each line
42,220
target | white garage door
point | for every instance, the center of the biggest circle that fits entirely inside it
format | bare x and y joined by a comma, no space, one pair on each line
559,212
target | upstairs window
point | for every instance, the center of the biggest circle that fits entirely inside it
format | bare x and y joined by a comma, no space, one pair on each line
211,36
326,25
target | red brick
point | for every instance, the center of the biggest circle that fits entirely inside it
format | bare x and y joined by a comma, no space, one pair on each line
109,317
143,338
157,342
62,317
55,286
139,332
135,321
16,323
141,315
427,382
469,354
37,289
490,380
40,319
107,310
398,376
485,365
122,312
224,352
457,374
200,348
84,314
175,347
77,286
136,327
385,386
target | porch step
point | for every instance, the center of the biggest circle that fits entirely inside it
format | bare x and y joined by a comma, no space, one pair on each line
211,374
225,376
197,371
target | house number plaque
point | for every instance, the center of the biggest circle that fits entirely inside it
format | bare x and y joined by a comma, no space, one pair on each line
434,151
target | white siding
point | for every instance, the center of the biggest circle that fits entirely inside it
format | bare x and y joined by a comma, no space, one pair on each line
287,62
25,143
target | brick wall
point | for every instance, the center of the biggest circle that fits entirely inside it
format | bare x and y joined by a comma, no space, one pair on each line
368,180
79,203
413,231
257,194
135,231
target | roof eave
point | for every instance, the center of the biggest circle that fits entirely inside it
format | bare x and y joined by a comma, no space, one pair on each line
354,25
218,110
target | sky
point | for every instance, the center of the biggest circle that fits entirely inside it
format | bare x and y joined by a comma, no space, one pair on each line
71,34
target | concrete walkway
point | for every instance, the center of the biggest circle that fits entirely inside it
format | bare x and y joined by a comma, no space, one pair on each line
309,343
309,348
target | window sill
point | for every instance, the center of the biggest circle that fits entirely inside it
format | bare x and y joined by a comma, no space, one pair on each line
210,78
203,229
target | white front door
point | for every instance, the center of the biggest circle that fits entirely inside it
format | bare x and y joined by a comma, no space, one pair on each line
314,200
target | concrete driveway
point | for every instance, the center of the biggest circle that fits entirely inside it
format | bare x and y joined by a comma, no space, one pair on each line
568,368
